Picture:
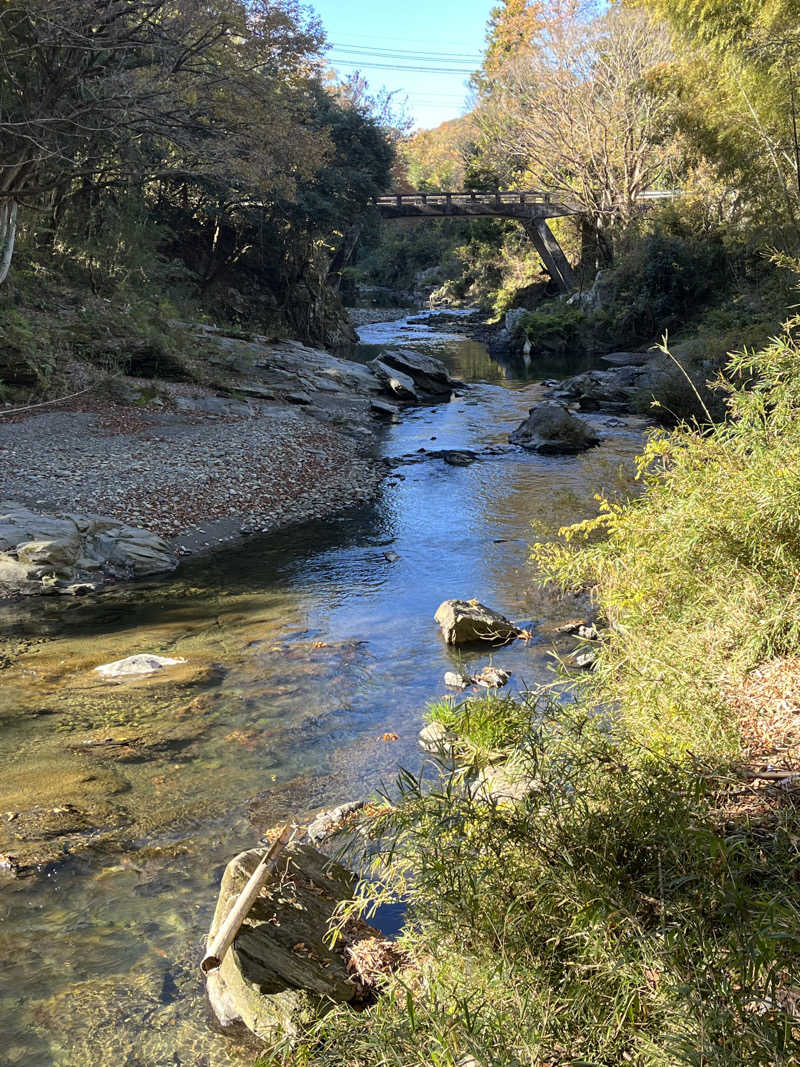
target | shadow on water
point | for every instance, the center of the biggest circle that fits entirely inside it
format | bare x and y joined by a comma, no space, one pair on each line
311,656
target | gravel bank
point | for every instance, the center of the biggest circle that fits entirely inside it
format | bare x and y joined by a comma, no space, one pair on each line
194,480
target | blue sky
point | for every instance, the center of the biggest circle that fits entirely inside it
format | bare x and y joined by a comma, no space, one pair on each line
441,42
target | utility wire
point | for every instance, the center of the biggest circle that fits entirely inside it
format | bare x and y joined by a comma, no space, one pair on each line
465,71
400,53
355,38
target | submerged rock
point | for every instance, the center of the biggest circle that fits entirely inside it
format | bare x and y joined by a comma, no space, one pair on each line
280,975
459,457
465,622
142,663
553,430
44,553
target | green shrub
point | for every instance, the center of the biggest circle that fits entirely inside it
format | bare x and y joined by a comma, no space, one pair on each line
558,328
698,575
611,918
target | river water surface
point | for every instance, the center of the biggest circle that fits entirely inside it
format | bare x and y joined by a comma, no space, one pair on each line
304,648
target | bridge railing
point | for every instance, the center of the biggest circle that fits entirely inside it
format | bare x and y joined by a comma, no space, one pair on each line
468,196
497,198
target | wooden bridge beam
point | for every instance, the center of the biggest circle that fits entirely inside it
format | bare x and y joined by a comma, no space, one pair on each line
550,252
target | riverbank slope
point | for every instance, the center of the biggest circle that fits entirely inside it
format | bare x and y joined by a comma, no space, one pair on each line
638,903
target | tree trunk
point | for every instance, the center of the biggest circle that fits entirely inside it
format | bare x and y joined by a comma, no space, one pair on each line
597,250
8,233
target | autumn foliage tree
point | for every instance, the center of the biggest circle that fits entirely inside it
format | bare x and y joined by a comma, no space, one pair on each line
569,111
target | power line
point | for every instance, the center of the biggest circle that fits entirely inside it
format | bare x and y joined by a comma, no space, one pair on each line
403,40
465,71
400,53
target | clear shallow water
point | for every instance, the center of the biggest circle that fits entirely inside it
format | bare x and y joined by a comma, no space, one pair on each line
310,645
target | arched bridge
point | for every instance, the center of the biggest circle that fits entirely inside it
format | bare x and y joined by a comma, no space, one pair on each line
530,207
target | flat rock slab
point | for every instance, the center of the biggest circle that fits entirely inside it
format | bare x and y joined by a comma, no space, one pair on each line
465,622
279,975
45,553
142,663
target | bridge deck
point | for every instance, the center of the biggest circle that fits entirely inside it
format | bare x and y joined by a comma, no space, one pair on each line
531,204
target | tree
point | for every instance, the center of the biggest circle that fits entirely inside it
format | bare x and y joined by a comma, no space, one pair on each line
435,159
571,113
513,26
734,92
97,91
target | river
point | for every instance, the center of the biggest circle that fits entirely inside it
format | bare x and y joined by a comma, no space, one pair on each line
305,648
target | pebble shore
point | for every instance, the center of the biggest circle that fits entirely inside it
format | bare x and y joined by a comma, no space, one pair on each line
194,480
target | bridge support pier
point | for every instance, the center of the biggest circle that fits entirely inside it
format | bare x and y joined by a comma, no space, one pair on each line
550,253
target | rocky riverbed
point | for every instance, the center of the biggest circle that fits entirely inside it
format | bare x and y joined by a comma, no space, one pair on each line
309,656
288,435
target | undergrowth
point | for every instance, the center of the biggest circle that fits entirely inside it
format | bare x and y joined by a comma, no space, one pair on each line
639,906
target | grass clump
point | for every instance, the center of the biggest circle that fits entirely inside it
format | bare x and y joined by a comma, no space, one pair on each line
641,904
484,725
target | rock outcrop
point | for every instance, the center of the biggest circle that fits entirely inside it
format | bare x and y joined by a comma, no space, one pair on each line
399,384
465,622
73,553
552,430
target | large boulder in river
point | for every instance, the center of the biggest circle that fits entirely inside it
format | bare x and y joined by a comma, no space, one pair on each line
280,974
45,553
465,622
399,384
428,374
553,430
